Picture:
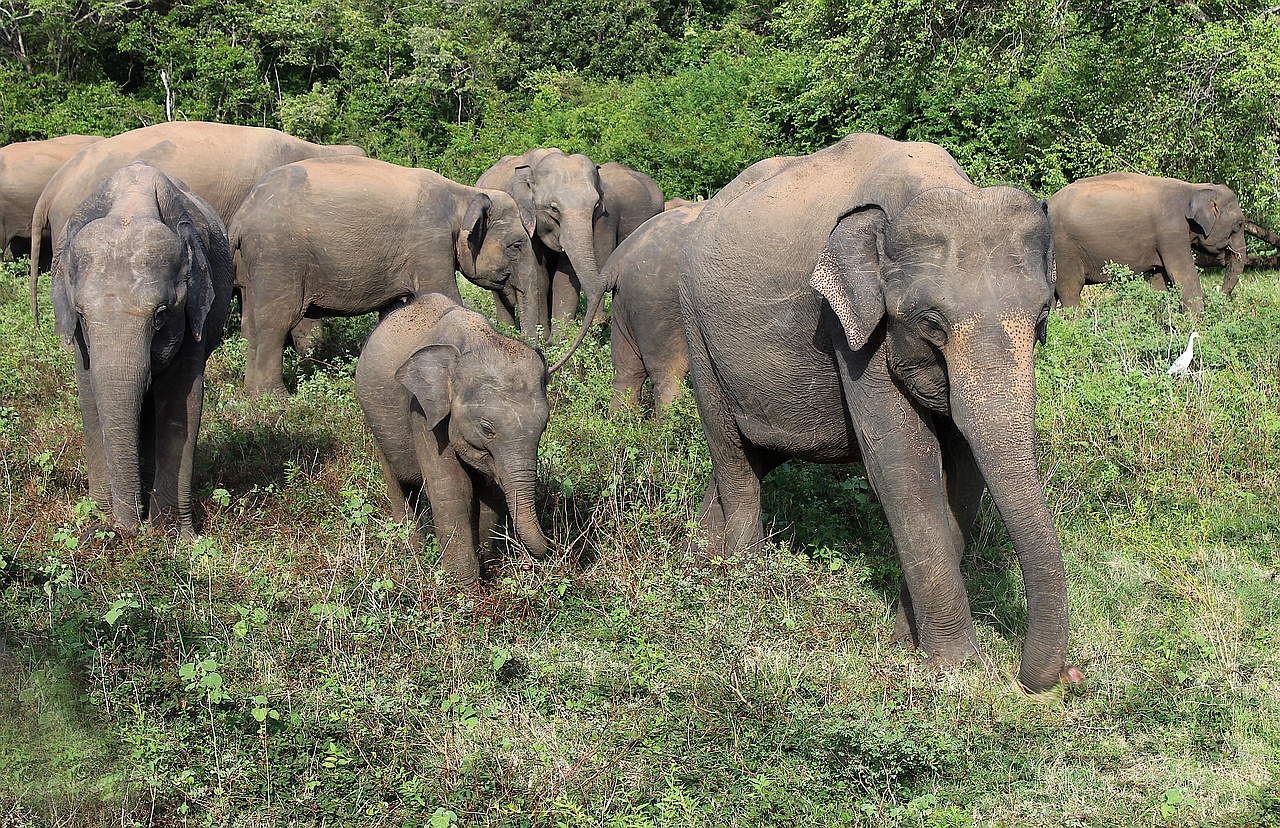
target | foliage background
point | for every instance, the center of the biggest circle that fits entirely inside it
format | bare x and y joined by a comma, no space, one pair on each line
297,666
1033,92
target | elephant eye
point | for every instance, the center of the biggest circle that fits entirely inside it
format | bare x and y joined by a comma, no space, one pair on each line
932,329
487,430
516,246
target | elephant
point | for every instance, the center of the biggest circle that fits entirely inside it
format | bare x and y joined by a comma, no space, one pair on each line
578,214
457,411
141,287
1149,224
25,167
675,203
347,235
218,162
870,302
647,337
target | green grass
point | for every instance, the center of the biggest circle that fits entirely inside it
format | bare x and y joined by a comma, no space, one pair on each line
296,666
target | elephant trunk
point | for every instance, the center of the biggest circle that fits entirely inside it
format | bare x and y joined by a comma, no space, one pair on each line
580,247
119,386
1236,258
531,299
998,421
520,488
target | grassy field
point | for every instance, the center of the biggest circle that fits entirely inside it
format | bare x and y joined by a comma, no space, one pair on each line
295,667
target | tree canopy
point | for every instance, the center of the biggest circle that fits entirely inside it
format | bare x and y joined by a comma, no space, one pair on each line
1032,92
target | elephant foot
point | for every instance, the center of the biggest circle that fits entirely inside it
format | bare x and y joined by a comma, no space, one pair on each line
953,658
1070,675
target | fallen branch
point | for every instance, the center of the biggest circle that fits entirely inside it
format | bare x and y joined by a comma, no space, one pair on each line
1259,232
1269,262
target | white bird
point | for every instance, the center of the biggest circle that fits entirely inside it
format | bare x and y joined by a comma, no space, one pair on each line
1182,365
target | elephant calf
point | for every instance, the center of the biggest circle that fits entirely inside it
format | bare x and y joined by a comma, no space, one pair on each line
345,236
1148,224
648,334
457,411
141,289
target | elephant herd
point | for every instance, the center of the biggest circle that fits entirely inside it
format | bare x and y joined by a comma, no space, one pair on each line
865,303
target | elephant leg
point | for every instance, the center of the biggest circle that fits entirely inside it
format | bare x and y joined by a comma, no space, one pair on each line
403,506
628,368
1069,280
667,388
453,502
271,322
1180,268
490,522
178,408
905,464
965,487
1158,281
304,336
565,292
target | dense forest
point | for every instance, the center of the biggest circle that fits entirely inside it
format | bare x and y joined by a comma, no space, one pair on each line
1034,92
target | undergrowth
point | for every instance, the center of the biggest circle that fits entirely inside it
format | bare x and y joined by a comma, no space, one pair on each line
296,666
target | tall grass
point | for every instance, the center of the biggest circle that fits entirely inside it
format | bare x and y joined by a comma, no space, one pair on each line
296,665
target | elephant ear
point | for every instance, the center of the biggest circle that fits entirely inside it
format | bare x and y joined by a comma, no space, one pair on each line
522,192
428,375
1203,210
471,235
64,305
176,210
848,273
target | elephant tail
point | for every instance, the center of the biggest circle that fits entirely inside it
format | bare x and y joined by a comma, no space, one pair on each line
39,219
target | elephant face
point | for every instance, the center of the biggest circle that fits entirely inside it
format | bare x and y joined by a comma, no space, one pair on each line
962,280
1217,222
494,250
127,288
496,405
564,196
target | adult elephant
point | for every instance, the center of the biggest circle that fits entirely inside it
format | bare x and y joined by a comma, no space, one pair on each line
1149,224
218,162
25,167
647,338
141,288
457,411
868,301
578,214
347,235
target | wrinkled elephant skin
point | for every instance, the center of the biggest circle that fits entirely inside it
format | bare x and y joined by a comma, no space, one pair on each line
141,287
868,301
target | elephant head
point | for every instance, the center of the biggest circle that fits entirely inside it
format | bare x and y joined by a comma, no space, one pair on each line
1217,225
495,251
129,289
562,201
497,411
960,283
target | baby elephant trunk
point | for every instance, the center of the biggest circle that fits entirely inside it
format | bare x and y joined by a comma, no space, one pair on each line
520,487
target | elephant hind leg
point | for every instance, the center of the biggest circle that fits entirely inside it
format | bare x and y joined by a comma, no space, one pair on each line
628,368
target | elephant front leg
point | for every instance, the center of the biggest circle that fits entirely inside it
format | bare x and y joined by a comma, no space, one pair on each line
179,404
1180,267
905,466
95,452
565,292
965,488
453,502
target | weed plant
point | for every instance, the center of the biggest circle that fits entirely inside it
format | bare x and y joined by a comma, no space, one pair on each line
299,664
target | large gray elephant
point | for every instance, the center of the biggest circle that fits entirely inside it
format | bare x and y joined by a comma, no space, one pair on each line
1148,224
580,212
647,338
25,167
347,235
141,287
218,162
868,301
457,411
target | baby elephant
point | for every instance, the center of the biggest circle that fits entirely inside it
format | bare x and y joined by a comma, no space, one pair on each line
648,334
141,288
457,411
